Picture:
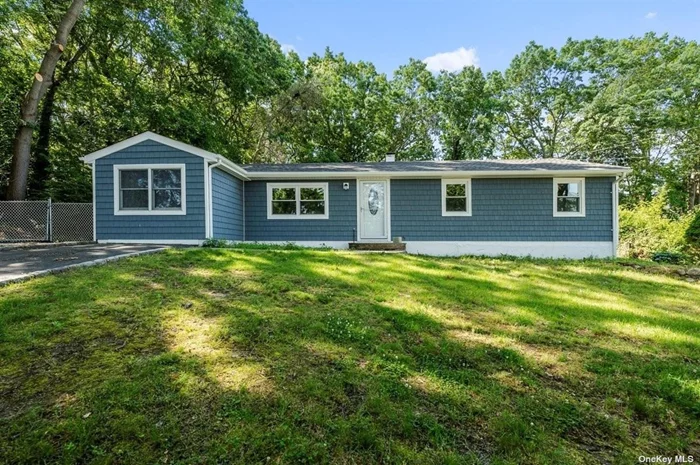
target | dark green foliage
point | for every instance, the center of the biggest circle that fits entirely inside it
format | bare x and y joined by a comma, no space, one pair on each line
216,243
669,257
692,234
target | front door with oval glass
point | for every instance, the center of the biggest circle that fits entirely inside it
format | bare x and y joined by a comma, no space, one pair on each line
373,210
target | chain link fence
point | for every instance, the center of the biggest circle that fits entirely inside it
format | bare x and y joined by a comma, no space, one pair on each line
45,221
71,222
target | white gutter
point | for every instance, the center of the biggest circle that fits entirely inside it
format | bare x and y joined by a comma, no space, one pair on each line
261,175
232,168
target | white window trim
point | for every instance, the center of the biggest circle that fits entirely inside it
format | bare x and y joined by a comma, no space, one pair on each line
468,191
150,211
582,196
297,187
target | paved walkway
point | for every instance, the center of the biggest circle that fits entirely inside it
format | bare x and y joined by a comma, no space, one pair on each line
17,263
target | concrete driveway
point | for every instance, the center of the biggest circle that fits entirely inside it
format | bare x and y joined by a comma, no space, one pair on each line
18,263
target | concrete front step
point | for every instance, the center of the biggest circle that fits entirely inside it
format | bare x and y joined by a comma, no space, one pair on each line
378,246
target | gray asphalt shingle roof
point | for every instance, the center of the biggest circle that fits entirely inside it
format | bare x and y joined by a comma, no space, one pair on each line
432,166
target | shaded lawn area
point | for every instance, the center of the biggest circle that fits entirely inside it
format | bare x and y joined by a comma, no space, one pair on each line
290,356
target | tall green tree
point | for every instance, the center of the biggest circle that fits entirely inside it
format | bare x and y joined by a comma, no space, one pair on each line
539,94
412,117
346,117
466,107
642,111
21,147
186,70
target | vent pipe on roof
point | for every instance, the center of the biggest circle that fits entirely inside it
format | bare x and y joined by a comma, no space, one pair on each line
390,157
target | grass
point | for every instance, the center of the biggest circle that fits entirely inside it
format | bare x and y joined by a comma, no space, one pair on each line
295,356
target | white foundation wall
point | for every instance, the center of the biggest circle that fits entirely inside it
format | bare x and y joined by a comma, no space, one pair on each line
518,249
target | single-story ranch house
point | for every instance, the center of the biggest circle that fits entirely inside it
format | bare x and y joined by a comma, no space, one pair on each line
151,189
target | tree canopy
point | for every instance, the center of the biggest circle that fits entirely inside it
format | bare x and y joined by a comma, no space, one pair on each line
202,72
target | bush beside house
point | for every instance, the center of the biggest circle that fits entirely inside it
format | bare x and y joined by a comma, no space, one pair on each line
650,231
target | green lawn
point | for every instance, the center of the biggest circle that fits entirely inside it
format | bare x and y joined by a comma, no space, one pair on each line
290,356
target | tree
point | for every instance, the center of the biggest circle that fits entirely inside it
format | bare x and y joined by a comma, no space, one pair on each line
17,188
643,113
412,117
340,111
466,110
187,70
539,94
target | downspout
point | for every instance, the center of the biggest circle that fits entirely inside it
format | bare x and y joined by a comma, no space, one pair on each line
616,219
243,207
210,189
94,201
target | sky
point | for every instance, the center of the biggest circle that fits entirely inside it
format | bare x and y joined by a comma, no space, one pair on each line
450,34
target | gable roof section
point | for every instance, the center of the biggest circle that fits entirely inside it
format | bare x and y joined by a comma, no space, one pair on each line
483,168
209,156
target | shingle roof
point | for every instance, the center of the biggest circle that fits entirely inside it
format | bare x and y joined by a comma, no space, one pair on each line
433,166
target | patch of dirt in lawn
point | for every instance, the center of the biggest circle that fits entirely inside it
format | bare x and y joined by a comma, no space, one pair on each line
555,363
197,336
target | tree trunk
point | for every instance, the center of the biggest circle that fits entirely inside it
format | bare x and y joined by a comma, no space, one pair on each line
42,161
21,150
456,149
40,167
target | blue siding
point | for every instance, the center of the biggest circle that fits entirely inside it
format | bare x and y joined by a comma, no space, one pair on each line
502,210
227,206
135,227
342,217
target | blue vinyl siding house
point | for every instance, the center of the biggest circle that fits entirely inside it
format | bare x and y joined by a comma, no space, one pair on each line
151,189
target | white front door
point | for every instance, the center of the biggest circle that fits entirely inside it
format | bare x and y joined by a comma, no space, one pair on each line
373,203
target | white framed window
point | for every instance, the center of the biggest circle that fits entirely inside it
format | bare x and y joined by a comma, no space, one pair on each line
149,189
297,200
569,197
456,197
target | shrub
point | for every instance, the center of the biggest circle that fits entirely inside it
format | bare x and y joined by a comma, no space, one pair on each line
692,234
669,257
216,243
646,230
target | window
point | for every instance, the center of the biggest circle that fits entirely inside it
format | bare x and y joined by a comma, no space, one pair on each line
167,188
134,189
456,197
569,197
149,189
288,201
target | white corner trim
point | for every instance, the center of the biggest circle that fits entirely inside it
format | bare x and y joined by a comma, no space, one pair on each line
388,209
616,216
468,192
243,210
542,249
151,211
582,197
297,187
94,204
210,156
152,241
208,197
